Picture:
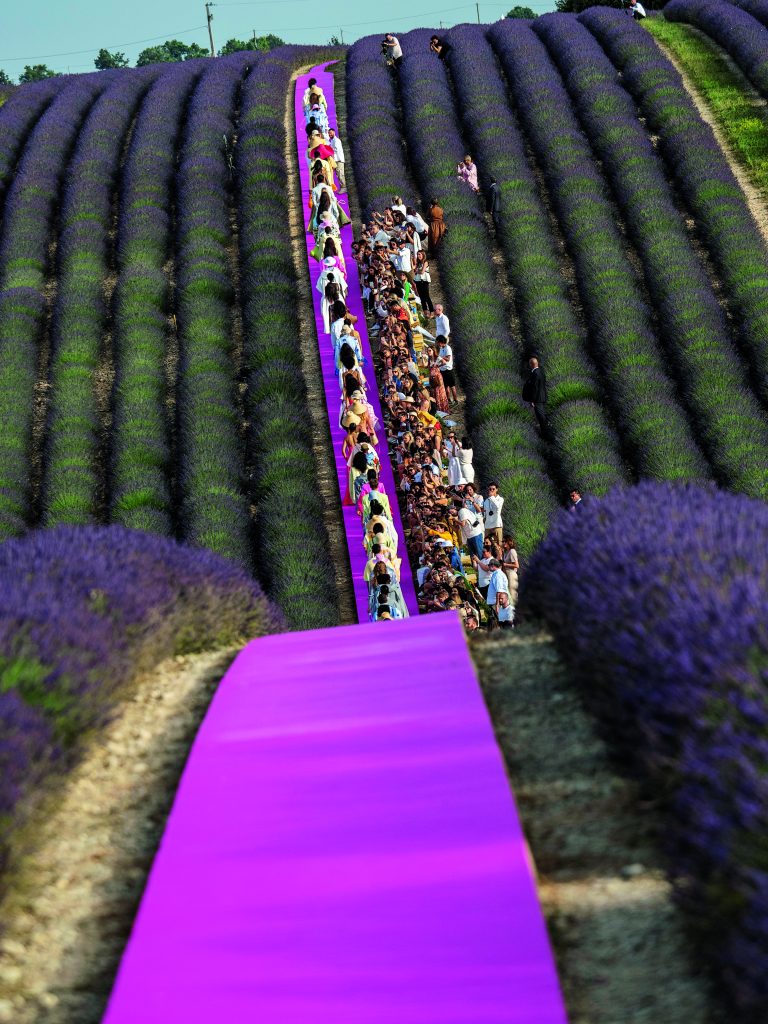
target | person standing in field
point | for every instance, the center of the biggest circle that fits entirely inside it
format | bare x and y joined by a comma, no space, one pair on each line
492,507
338,154
440,46
493,203
423,279
467,172
535,393
392,44
437,225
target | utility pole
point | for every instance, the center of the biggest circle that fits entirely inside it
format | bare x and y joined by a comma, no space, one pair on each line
209,16
342,36
478,13
254,39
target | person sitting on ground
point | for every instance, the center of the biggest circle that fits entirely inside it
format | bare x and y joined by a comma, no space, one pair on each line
637,10
467,172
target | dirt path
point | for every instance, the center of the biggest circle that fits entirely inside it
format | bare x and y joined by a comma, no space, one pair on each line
621,951
79,867
325,466
755,201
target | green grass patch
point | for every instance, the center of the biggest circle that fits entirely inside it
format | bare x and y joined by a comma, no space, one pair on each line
730,106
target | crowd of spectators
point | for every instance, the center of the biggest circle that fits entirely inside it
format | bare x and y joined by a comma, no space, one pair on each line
461,556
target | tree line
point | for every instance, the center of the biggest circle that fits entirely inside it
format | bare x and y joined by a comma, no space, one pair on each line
168,52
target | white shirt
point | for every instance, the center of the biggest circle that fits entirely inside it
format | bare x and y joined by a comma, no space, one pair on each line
484,575
466,519
498,584
639,8
396,49
381,237
404,260
446,354
442,325
338,149
505,614
417,222
492,510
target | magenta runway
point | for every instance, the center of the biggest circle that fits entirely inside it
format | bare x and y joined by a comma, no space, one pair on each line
343,848
352,522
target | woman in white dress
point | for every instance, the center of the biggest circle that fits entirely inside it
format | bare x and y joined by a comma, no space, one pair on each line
330,275
465,459
451,449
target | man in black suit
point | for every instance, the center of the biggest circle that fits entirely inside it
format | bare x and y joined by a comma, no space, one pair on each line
535,392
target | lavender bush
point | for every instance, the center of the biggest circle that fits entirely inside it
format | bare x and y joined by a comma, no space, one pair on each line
757,8
30,209
84,610
653,427
140,456
213,507
701,172
18,116
658,598
71,480
504,439
731,427
742,36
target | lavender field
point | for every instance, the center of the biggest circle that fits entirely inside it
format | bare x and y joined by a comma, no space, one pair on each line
151,379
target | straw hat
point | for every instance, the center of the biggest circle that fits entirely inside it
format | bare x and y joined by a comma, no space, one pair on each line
358,409
315,139
349,419
329,261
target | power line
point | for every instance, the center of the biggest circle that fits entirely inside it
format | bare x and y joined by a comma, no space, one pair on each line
380,21
112,46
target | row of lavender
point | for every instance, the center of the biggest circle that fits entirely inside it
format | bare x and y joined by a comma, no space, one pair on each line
140,461
658,599
71,485
212,502
85,610
173,460
31,200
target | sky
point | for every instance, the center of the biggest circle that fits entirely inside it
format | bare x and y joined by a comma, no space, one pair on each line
67,34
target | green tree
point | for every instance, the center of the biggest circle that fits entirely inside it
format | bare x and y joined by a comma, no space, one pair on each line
255,43
170,51
36,73
107,60
520,12
4,79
